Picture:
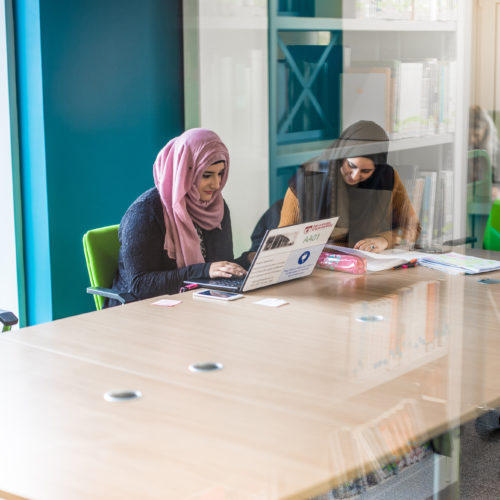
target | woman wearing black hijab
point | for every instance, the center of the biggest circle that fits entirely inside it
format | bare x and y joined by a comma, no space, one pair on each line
353,181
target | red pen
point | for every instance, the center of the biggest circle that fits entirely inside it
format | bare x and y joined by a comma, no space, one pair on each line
186,288
411,263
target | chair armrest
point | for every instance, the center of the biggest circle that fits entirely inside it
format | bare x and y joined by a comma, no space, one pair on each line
446,246
123,298
7,318
460,241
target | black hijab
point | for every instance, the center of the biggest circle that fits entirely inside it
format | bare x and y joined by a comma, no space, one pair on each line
363,209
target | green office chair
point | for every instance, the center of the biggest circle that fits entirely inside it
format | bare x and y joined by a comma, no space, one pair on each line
101,247
479,182
491,239
7,319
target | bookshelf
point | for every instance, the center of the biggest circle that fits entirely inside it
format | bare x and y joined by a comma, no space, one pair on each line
410,65
269,77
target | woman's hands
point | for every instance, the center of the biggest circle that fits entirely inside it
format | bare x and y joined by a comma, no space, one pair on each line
225,269
377,244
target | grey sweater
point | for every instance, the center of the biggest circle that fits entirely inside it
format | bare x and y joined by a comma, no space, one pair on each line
144,268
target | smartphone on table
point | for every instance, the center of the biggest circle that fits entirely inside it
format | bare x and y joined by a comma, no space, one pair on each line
217,295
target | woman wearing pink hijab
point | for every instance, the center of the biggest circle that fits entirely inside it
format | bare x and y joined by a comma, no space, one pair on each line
180,229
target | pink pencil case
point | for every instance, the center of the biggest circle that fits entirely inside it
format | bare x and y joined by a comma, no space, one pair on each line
344,262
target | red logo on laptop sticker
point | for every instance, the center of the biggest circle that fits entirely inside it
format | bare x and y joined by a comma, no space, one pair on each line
317,227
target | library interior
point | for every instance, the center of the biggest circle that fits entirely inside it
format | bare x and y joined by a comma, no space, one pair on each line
365,367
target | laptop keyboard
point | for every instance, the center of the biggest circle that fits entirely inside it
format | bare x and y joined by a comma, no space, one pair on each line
227,281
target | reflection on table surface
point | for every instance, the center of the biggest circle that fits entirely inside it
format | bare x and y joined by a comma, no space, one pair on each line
354,374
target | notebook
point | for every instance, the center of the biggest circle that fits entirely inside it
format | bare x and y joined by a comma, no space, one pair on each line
286,253
455,263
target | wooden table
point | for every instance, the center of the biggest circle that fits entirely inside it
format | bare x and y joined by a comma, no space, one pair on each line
302,386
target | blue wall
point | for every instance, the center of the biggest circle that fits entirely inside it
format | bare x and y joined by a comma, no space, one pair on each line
100,92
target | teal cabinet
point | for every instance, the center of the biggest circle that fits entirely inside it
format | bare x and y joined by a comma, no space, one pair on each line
305,65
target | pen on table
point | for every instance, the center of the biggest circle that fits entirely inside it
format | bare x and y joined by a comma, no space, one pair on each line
411,263
186,288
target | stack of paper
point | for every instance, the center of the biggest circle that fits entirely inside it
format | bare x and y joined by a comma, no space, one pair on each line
379,261
452,263
455,263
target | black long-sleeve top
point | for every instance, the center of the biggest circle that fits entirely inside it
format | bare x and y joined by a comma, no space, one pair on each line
144,268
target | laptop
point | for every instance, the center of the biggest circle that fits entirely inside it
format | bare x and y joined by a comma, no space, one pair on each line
285,253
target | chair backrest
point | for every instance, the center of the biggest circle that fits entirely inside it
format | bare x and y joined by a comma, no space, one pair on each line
7,320
101,247
479,177
491,239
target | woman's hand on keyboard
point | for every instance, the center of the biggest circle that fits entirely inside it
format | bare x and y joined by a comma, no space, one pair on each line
225,269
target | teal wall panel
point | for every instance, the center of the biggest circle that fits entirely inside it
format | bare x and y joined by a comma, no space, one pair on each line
33,166
111,76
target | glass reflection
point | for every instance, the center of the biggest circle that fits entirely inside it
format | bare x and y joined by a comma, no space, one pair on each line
414,331
388,441
352,180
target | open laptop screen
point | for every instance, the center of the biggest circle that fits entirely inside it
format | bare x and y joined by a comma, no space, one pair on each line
288,253
285,253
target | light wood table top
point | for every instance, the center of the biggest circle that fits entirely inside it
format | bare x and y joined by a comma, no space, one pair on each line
299,383
61,439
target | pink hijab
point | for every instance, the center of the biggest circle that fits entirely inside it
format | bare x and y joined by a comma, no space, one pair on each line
177,172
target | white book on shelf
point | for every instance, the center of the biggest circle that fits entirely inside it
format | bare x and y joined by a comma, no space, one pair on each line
430,96
452,95
349,9
443,230
390,68
394,9
423,10
447,10
417,195
446,97
409,99
438,211
366,94
448,180
427,210
365,9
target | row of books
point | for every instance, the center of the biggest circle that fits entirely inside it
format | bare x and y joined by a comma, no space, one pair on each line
404,337
418,10
230,8
431,195
408,98
378,450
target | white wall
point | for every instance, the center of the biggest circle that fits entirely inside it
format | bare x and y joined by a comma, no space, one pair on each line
8,269
233,101
486,62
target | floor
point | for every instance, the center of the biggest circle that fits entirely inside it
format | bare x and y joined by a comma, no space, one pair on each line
479,465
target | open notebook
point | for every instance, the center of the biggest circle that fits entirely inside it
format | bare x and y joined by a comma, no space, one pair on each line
450,262
379,261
